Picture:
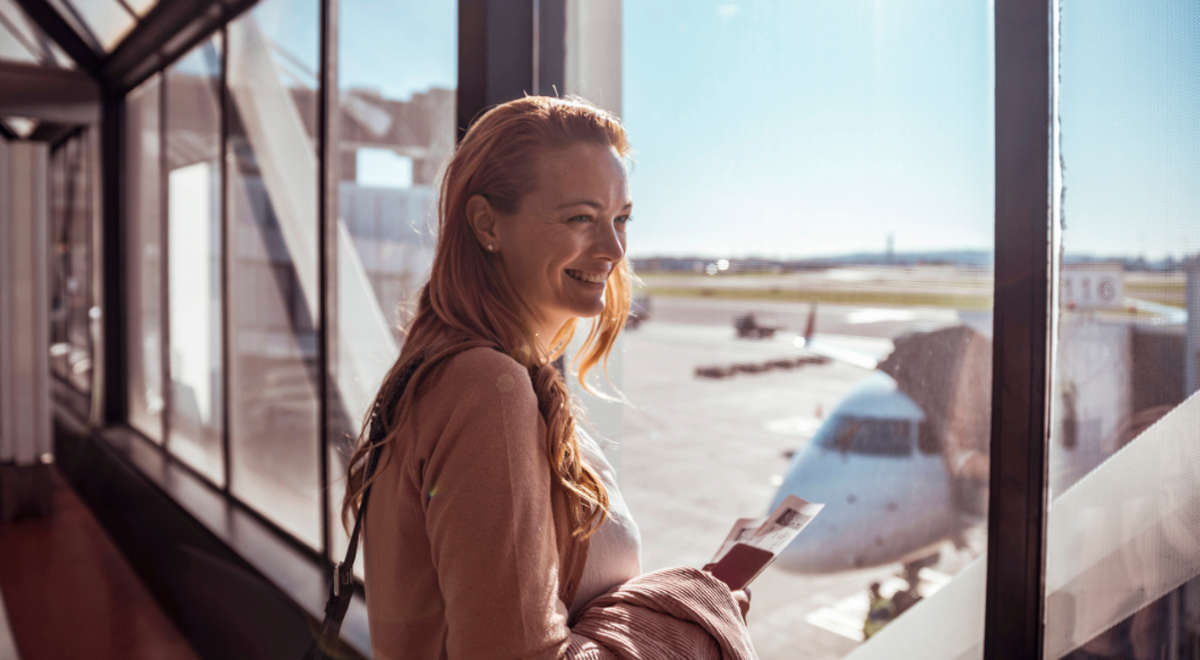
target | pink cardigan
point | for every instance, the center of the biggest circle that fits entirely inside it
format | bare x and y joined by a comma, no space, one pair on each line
468,553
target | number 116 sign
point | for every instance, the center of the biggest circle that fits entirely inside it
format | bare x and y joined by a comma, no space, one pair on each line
1093,287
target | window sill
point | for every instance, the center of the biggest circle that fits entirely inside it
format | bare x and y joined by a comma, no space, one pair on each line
298,574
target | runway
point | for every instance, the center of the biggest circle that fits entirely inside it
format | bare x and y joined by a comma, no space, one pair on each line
697,453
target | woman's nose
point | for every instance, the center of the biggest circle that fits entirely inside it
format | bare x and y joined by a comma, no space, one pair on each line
610,243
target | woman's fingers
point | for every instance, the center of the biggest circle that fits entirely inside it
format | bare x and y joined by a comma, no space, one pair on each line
742,597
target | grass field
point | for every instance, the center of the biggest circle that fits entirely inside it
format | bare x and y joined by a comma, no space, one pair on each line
832,296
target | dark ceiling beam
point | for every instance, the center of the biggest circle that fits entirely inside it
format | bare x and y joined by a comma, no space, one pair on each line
52,133
169,30
57,28
49,94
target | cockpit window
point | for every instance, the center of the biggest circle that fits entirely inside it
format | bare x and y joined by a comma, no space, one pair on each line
875,437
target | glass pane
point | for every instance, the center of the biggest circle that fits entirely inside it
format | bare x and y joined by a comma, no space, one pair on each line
1123,550
141,6
273,232
397,70
193,124
16,40
21,40
60,266
102,22
71,225
143,261
814,230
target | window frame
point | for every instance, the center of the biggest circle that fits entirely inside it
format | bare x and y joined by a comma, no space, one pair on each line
1022,346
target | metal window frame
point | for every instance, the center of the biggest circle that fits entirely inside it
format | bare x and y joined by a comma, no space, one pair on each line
57,28
496,54
225,104
1022,346
327,204
114,402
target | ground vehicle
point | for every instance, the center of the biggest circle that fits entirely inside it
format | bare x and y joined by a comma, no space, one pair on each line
750,327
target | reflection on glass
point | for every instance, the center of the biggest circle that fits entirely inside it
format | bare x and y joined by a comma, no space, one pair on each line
817,289
396,129
1123,547
141,6
273,264
72,171
23,41
193,123
143,261
102,23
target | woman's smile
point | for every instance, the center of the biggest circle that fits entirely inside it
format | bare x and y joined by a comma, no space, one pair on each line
594,279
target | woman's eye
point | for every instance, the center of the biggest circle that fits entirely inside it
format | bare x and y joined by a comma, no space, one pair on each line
580,218
624,219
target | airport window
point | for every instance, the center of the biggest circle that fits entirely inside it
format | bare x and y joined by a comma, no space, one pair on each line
144,262
815,237
224,230
72,220
194,264
396,114
814,230
102,24
273,234
21,40
1123,555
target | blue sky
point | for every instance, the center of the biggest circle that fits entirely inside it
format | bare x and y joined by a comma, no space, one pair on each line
809,127
1130,107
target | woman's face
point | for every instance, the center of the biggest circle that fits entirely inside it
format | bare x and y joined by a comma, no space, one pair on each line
567,235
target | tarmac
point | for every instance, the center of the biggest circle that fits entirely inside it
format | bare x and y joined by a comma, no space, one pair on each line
698,453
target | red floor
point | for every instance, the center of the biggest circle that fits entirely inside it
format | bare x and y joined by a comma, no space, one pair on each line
70,594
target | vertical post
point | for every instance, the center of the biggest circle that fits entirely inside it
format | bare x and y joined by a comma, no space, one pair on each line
550,56
110,401
1021,350
329,158
164,260
495,55
224,218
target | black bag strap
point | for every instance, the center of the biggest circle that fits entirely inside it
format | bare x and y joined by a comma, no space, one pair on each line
341,590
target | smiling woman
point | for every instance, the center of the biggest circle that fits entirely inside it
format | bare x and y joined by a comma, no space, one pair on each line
559,247
479,455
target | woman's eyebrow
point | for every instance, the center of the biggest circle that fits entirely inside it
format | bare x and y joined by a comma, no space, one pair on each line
587,202
582,202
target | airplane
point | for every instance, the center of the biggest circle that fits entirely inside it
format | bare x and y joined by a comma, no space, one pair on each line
900,462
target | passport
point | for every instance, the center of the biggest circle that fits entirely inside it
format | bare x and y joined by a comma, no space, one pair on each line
753,543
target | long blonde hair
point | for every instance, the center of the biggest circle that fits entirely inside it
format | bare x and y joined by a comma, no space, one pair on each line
467,303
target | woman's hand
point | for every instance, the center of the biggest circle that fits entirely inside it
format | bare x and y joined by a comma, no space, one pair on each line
742,597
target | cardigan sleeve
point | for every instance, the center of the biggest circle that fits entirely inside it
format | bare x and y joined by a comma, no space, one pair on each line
487,496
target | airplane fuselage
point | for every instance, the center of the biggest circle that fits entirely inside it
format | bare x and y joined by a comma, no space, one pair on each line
885,499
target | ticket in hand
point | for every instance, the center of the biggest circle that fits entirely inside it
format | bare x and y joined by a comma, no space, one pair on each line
753,543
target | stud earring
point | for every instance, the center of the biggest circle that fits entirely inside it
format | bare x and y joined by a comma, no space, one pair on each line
491,247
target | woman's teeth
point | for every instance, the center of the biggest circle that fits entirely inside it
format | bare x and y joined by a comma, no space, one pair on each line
587,277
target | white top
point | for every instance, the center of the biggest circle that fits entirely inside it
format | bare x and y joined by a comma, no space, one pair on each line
615,555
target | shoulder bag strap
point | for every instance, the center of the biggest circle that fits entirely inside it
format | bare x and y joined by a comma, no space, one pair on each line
341,591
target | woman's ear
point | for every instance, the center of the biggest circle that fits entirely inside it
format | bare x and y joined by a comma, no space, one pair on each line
482,218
